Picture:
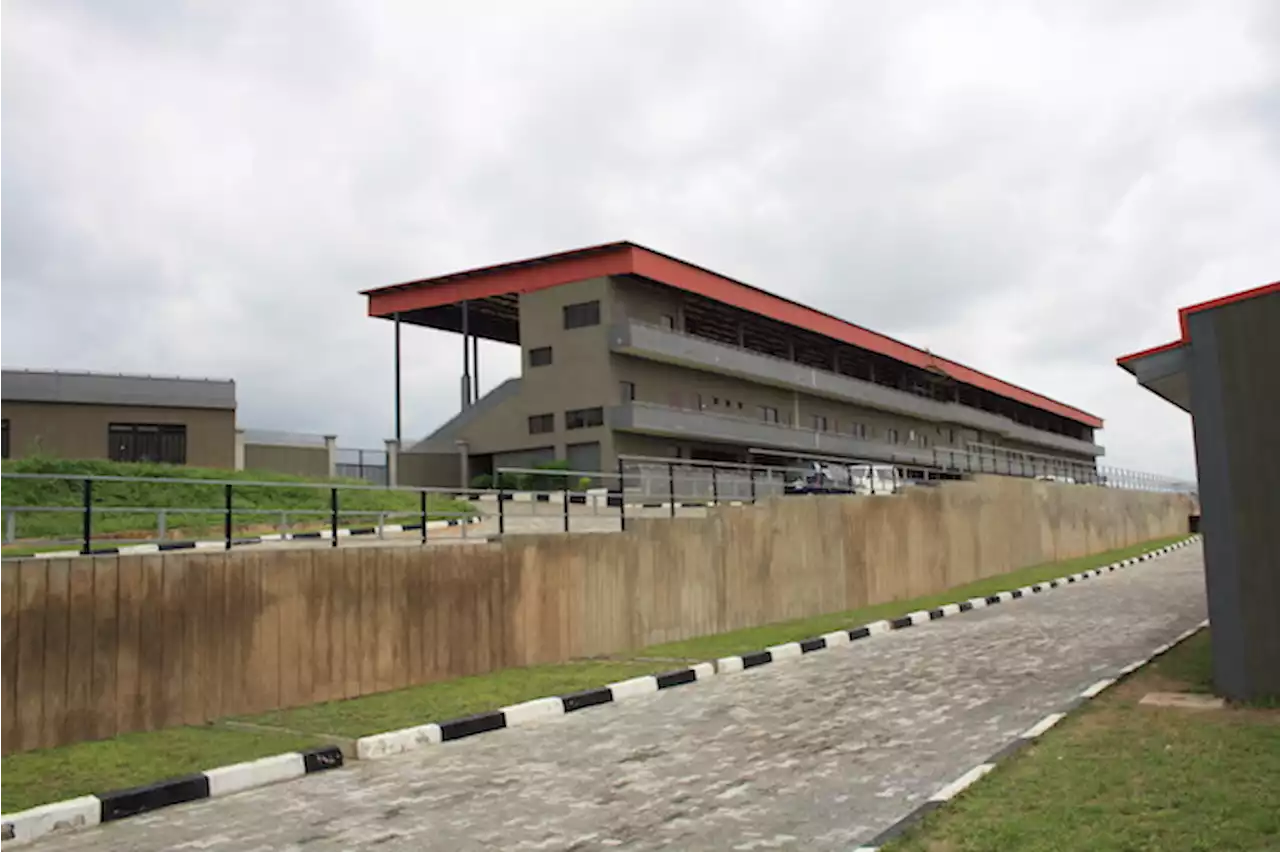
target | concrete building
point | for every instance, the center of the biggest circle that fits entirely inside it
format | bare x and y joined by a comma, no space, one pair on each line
630,352
1225,371
119,417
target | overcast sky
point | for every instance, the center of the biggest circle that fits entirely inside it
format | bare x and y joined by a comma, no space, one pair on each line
1029,188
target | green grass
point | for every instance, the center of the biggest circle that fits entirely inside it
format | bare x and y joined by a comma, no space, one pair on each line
1119,776
450,699
756,638
49,775
254,508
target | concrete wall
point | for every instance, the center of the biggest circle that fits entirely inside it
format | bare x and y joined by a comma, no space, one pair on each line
100,646
299,461
429,470
78,431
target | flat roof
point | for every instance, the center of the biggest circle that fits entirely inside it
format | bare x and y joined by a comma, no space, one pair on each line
626,258
1163,369
86,388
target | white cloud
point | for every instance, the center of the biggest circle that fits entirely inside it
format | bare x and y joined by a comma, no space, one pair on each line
1032,189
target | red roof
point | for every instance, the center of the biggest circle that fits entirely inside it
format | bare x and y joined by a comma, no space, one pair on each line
1183,313
623,258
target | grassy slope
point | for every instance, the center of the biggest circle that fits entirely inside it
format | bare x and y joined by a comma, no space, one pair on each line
756,638
252,506
1119,776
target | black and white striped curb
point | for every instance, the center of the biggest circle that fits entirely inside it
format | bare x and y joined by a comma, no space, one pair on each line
791,650
87,811
221,544
1026,738
514,715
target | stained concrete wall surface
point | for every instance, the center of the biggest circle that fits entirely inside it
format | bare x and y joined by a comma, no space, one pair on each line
99,646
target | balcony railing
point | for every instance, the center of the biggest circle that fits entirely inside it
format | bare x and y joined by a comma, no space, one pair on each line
664,344
714,427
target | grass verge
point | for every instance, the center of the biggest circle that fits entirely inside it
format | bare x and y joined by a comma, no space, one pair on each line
449,699
48,775
756,638
1120,776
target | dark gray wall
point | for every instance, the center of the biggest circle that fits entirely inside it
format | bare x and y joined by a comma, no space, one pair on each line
1235,400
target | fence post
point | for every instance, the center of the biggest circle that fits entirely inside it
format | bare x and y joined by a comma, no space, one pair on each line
422,513
502,512
715,488
751,479
333,514
622,499
11,527
226,516
564,497
162,527
671,487
86,549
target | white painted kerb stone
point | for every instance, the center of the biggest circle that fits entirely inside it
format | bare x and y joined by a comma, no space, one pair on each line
254,773
27,825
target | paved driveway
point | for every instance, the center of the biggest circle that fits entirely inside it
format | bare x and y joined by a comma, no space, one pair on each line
817,753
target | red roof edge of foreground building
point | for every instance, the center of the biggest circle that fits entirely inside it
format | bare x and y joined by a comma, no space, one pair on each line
1183,313
627,258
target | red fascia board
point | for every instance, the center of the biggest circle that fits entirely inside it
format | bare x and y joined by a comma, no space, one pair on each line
628,258
1183,313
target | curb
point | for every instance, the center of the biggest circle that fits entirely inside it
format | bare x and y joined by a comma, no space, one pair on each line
776,653
220,544
514,715
88,811
1017,744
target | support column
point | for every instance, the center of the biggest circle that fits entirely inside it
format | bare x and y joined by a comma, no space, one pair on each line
464,462
331,449
397,359
393,462
238,451
466,359
475,368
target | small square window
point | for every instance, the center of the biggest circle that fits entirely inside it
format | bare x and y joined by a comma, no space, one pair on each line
628,391
819,423
540,357
582,314
768,414
540,424
583,418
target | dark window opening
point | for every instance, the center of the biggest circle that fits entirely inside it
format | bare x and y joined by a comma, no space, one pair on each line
628,391
819,423
5,453
584,418
582,314
768,414
540,357
891,435
147,442
540,424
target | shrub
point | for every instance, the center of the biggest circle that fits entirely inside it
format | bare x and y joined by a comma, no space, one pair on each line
482,480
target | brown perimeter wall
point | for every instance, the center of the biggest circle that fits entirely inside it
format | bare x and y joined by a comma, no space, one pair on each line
97,646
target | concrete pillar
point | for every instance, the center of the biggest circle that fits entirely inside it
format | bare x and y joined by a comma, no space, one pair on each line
393,462
331,447
239,450
464,464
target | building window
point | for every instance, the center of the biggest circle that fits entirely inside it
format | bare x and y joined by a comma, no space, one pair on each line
582,314
628,391
819,423
147,442
540,424
768,414
858,430
5,424
584,418
668,321
891,436
540,357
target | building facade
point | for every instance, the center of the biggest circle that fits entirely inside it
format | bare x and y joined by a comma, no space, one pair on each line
628,352
1225,372
119,417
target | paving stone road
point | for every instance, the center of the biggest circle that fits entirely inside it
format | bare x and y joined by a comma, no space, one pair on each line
817,753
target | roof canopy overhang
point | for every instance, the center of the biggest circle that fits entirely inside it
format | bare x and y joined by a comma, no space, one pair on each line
492,294
1163,369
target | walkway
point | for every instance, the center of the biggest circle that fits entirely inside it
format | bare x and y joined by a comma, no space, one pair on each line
818,753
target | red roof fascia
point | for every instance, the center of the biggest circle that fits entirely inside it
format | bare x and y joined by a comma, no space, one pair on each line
1183,313
627,258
